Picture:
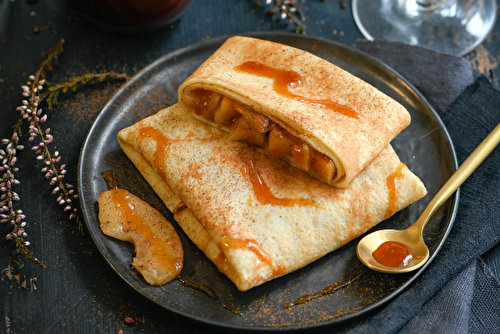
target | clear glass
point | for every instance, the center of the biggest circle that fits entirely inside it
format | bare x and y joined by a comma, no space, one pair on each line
453,26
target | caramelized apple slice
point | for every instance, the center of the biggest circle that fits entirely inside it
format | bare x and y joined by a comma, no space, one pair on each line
280,142
248,125
241,129
204,102
259,121
301,156
191,99
323,167
225,112
159,254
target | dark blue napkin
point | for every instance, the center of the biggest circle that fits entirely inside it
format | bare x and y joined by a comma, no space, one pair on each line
457,293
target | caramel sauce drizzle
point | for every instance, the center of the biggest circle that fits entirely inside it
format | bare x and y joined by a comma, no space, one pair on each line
246,244
329,289
220,260
207,291
253,246
123,201
279,269
393,185
162,145
285,79
264,194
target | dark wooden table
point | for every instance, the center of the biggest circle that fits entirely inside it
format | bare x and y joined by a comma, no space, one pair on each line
78,292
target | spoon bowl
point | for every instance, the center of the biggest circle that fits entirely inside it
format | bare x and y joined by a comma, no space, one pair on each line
413,235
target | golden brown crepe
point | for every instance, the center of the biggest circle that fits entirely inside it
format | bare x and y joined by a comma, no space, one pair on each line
255,216
304,109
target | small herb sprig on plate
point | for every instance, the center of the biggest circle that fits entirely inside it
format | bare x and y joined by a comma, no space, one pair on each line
31,112
51,95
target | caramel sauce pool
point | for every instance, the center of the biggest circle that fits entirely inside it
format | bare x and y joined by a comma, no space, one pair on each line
393,254
284,80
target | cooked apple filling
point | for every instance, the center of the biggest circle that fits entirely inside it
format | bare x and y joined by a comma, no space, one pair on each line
247,125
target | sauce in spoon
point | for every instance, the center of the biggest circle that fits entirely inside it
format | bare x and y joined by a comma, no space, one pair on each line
393,254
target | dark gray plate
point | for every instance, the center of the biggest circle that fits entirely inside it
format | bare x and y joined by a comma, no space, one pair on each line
424,146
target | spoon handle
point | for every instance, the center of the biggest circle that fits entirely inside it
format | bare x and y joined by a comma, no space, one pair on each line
460,175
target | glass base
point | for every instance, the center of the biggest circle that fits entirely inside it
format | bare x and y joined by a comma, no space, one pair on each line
452,26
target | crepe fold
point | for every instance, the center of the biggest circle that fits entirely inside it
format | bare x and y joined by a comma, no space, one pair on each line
253,215
288,98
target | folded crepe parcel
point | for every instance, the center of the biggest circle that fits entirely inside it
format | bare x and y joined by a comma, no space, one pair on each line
302,108
252,214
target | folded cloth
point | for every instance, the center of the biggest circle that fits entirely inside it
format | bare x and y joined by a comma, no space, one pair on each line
441,77
466,304
474,113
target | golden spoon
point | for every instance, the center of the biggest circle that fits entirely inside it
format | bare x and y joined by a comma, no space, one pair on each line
413,235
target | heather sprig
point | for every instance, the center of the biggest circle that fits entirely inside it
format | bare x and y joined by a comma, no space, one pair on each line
8,214
52,169
287,9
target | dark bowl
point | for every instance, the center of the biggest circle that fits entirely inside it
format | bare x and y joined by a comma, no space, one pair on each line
130,16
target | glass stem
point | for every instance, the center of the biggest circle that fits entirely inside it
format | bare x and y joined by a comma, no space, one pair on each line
427,2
